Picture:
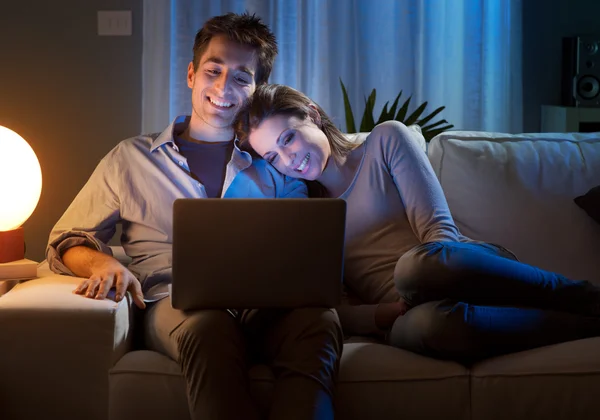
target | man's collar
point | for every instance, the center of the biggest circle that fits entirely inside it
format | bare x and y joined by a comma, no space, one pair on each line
174,129
178,126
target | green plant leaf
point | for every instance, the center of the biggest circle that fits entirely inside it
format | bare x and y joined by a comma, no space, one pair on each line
432,133
415,115
384,113
403,109
350,127
392,112
368,123
428,118
433,125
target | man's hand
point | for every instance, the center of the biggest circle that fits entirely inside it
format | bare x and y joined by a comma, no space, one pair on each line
102,273
107,276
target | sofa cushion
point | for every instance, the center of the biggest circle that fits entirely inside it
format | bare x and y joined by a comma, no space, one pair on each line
375,380
554,382
518,190
147,385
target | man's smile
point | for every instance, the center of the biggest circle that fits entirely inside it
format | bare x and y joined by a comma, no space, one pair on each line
219,103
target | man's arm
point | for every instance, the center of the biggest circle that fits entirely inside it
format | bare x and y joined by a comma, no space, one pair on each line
91,219
77,243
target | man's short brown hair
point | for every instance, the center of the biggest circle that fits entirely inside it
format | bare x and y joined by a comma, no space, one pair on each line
245,29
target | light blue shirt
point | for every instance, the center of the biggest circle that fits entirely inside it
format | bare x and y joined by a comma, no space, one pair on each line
135,184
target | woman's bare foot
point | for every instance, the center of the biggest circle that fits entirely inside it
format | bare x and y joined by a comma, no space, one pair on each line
386,313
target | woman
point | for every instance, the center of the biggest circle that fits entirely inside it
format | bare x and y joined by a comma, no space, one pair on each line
466,300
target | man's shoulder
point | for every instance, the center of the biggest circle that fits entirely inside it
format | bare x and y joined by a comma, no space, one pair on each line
262,179
260,172
141,144
143,141
265,168
263,165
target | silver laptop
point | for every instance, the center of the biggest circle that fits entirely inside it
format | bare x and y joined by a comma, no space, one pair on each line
242,253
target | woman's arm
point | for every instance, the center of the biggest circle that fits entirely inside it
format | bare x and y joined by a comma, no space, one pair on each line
422,195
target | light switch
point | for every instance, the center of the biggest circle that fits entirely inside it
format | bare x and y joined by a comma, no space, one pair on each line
114,22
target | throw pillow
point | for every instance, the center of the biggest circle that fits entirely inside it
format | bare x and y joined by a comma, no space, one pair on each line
590,202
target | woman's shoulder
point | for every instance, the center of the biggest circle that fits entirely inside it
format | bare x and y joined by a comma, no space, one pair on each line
393,136
383,136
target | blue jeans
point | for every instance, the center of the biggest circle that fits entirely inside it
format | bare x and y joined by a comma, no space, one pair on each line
472,301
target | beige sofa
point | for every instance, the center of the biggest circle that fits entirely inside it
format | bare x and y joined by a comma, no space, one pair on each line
64,356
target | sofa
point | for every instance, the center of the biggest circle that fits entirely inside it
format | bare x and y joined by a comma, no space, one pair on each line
65,356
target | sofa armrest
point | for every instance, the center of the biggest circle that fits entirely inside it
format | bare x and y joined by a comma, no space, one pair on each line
56,348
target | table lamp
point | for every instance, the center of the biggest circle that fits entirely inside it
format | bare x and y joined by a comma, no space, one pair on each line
20,189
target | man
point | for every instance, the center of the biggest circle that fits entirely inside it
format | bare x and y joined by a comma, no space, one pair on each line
197,157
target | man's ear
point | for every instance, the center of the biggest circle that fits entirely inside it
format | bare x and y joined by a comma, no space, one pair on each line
314,114
191,74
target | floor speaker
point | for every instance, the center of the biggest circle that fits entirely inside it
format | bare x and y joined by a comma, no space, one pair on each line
581,71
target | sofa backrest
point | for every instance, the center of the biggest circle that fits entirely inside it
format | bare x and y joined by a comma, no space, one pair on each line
518,191
417,136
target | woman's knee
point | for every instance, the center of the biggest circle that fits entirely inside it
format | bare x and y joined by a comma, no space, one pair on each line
436,329
439,270
444,257
416,266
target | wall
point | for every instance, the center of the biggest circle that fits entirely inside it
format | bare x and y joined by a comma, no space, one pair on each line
545,23
69,92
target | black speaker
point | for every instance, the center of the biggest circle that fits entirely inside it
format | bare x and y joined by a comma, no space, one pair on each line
581,71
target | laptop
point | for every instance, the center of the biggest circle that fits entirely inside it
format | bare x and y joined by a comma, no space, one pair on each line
247,253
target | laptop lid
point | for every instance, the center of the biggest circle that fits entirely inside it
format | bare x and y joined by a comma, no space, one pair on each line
247,253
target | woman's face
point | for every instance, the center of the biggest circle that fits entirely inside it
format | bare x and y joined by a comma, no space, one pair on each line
295,147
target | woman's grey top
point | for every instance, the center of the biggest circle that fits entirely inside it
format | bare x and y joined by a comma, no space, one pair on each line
394,203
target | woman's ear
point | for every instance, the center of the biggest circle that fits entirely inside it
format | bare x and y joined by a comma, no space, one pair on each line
314,115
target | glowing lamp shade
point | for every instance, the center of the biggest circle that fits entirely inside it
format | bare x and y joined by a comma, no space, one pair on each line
20,189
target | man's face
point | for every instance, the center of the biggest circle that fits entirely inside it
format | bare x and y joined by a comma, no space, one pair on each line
224,79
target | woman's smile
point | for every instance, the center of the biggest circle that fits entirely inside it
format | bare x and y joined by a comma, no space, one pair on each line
302,168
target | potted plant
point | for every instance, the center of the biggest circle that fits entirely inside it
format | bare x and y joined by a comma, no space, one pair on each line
368,121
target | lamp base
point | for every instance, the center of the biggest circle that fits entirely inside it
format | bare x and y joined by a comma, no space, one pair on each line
18,270
12,245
